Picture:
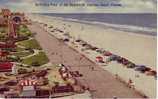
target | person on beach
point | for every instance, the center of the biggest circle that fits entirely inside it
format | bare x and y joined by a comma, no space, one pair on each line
114,97
130,83
92,68
116,76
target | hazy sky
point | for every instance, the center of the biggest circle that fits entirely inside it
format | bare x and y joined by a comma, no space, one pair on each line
127,6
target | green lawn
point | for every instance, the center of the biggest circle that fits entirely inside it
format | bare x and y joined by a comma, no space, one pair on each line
19,49
41,58
24,31
3,29
22,54
30,44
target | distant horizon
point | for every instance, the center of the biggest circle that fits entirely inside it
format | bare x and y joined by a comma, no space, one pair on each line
46,6
79,13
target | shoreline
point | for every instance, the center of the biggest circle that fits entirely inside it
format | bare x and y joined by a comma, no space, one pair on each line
109,26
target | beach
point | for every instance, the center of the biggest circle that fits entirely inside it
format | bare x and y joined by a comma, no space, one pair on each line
138,48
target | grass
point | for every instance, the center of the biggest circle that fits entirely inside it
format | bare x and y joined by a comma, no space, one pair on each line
54,76
41,58
3,34
30,44
22,54
3,29
24,31
19,49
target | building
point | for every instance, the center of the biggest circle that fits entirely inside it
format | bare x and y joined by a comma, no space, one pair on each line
28,88
8,44
3,55
12,29
3,22
6,66
6,12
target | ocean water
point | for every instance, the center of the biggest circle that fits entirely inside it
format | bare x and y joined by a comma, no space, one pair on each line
139,23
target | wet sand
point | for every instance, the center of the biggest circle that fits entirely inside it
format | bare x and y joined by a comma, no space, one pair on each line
102,84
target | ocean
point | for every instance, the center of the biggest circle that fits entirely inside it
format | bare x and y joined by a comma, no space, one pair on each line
138,23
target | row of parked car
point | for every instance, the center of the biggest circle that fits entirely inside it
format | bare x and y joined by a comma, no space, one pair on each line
121,60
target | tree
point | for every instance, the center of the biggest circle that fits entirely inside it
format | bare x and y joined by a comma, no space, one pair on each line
22,71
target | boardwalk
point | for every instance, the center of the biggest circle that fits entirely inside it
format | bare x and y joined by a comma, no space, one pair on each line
101,83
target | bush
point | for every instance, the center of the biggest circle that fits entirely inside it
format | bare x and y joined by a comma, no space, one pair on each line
36,64
22,71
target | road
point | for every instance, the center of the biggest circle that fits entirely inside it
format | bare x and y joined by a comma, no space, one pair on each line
102,84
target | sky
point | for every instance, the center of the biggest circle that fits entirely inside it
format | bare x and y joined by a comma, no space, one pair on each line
125,6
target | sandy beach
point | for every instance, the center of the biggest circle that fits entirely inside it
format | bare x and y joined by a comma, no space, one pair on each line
140,49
